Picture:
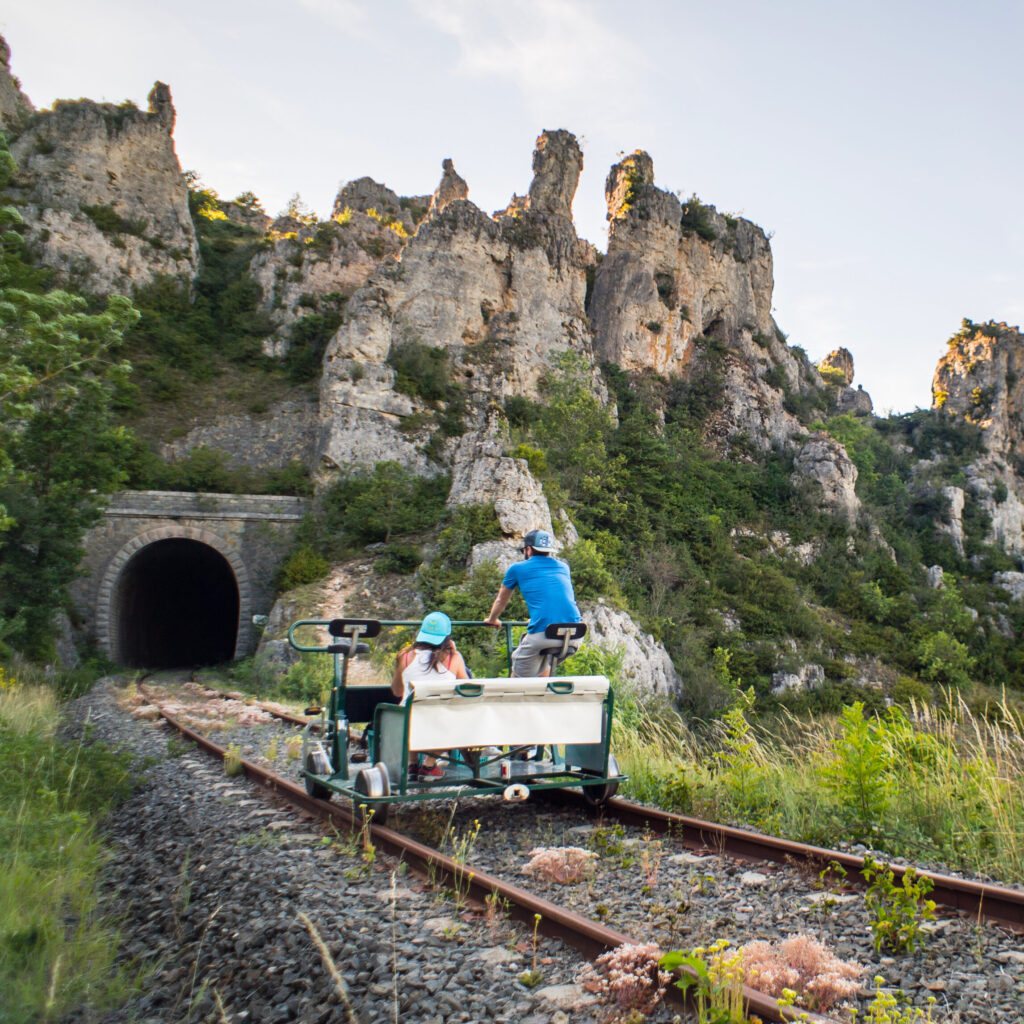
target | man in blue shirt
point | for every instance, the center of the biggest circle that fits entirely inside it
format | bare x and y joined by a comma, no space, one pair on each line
546,586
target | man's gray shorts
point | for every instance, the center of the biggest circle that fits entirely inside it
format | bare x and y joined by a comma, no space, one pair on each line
527,658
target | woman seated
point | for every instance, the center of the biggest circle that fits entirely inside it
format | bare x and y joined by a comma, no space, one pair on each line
432,656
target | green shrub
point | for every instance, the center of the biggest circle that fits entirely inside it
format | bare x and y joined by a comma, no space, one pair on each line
943,659
590,576
696,218
521,412
309,338
468,526
371,507
308,681
420,371
534,457
857,775
56,947
403,559
110,222
304,565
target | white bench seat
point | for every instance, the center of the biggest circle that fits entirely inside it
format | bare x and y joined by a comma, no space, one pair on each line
507,712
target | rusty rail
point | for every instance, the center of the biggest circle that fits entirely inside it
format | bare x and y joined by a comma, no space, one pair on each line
588,937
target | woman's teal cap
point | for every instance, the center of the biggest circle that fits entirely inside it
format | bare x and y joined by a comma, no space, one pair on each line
436,627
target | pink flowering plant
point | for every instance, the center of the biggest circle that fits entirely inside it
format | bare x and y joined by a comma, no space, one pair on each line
563,864
804,966
628,979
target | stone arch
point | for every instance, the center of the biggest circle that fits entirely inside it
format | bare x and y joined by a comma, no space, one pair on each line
107,621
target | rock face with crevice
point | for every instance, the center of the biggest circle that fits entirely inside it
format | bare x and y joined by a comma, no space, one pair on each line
683,285
101,191
499,296
980,380
15,107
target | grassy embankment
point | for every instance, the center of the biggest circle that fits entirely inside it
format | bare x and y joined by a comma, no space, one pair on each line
928,784
57,944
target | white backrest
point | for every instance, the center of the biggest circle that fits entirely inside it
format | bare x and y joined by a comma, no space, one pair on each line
507,712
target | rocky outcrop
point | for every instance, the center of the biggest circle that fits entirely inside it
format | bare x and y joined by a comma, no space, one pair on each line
102,193
953,525
15,107
840,361
365,194
674,271
364,418
824,467
483,475
980,380
836,370
312,269
451,187
645,662
857,401
683,285
498,297
1012,583
807,677
557,164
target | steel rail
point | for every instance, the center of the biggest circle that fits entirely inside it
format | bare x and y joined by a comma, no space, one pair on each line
988,900
980,899
588,937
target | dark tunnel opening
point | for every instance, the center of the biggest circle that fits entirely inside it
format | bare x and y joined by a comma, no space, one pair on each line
176,606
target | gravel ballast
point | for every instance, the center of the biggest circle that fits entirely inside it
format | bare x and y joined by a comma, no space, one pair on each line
212,882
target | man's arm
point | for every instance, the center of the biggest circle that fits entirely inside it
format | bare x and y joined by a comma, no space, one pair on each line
500,604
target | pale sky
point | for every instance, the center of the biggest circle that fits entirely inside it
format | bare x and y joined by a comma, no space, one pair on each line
879,143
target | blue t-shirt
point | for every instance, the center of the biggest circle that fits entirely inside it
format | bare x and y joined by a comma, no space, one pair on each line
546,586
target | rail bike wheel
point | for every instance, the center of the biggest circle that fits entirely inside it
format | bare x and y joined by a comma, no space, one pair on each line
315,789
598,796
372,782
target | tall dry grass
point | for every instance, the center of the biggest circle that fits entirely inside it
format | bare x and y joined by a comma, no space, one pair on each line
56,945
934,783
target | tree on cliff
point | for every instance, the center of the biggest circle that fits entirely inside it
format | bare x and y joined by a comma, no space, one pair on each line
59,447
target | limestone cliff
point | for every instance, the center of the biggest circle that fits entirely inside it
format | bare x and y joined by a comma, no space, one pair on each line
313,269
678,273
497,295
980,380
15,107
102,193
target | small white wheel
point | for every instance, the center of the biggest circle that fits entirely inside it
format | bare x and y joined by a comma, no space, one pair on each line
373,782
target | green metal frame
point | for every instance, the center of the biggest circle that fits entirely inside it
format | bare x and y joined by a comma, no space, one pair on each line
334,726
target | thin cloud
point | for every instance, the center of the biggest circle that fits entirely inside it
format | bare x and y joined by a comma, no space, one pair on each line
347,15
557,53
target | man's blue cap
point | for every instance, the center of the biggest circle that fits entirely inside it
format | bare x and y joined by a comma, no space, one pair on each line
434,629
539,540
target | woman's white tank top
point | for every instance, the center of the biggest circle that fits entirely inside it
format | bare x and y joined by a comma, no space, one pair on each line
419,669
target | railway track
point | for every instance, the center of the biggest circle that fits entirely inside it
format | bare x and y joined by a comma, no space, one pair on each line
981,900
989,900
588,937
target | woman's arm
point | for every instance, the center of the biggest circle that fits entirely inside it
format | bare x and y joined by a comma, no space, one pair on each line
397,683
458,666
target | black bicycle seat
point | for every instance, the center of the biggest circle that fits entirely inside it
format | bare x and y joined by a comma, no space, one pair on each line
354,627
563,634
345,647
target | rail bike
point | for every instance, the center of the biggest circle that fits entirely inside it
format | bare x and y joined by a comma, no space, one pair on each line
501,736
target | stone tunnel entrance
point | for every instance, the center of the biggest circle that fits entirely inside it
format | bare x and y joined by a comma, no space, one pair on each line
175,605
